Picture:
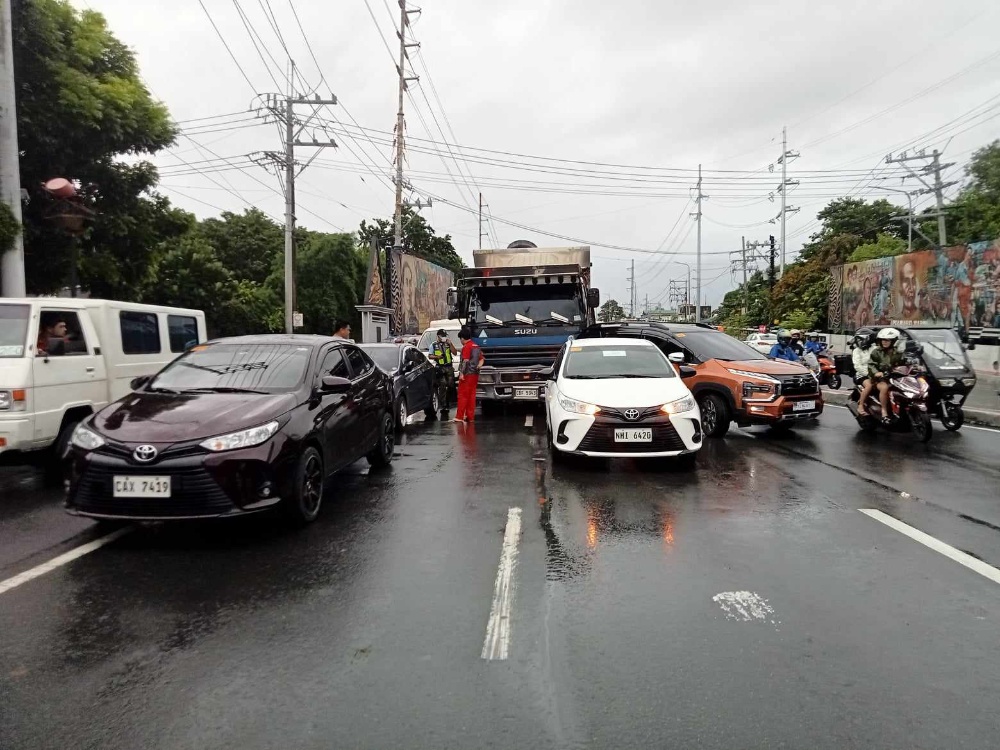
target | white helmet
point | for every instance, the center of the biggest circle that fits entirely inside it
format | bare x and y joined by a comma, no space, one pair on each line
890,334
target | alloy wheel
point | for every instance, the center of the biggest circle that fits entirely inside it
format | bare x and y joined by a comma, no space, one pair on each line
312,486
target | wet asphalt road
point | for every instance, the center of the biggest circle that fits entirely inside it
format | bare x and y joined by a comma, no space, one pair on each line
365,630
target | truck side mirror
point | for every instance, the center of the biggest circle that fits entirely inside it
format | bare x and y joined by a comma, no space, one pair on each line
452,296
593,298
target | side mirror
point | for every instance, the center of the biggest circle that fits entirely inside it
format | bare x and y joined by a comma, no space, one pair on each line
139,382
333,384
676,357
687,372
593,298
451,296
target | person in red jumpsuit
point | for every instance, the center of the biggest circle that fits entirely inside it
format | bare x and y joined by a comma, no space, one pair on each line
468,377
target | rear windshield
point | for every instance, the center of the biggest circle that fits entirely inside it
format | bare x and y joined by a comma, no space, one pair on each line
386,357
13,330
270,368
616,361
717,345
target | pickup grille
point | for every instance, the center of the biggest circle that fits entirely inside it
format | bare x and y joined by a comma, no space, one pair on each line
520,356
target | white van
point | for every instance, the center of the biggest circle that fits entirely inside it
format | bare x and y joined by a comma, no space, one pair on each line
64,359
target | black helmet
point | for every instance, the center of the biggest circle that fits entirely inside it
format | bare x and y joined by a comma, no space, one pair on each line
442,332
864,337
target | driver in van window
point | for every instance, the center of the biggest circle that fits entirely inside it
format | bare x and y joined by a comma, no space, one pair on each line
52,339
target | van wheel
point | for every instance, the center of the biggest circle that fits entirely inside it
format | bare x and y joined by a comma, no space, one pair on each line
303,505
715,417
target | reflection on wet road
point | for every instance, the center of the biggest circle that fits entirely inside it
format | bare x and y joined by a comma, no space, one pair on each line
745,604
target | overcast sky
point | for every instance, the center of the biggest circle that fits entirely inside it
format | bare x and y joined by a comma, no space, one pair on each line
639,83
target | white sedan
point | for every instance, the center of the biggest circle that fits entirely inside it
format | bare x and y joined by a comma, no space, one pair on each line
620,398
762,342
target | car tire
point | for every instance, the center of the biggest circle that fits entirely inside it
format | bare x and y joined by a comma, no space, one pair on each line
558,457
401,413
715,417
953,418
303,505
381,455
431,412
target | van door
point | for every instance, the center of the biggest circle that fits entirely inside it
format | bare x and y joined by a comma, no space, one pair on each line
67,373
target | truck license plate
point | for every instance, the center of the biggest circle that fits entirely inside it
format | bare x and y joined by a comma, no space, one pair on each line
526,393
803,406
142,486
634,435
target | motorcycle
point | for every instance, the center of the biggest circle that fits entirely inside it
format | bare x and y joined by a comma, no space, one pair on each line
908,396
824,368
949,372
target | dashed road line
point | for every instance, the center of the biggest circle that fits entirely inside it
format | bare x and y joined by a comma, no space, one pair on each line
63,559
972,563
529,420
497,643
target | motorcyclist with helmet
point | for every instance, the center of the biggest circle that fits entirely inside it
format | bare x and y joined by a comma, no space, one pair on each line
884,359
796,343
784,349
813,344
860,356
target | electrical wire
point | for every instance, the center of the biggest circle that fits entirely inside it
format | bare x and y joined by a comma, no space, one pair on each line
226,45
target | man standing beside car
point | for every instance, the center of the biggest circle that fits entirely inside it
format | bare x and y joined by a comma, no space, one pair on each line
441,353
468,377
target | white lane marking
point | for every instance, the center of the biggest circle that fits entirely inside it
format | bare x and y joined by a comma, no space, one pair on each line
497,641
994,430
63,559
529,420
937,545
744,606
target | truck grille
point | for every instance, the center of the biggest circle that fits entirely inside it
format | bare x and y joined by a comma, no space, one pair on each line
799,385
520,356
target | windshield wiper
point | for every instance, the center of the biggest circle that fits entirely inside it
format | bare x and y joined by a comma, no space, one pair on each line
931,343
159,389
221,389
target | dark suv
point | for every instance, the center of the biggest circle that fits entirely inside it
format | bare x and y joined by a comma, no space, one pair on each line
734,382
231,427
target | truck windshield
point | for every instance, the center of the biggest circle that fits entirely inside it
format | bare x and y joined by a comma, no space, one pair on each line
540,304
267,368
13,330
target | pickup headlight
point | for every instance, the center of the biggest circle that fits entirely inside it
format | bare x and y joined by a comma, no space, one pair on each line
678,406
968,382
242,439
947,382
756,375
15,400
86,439
580,407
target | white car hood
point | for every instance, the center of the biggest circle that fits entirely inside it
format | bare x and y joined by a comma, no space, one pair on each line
624,392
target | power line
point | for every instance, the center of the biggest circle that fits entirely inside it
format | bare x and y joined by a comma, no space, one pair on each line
226,45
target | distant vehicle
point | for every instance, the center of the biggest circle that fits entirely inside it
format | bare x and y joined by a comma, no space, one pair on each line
412,380
62,360
232,427
521,304
732,381
620,398
762,342
451,327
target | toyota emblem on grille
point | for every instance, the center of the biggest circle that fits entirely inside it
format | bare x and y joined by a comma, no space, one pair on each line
144,453
631,414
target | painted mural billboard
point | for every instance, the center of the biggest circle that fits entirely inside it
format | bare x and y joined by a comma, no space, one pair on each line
423,290
957,286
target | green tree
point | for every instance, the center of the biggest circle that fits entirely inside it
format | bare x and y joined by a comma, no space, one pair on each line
610,311
755,296
418,236
80,104
9,227
857,217
885,246
249,244
331,278
975,213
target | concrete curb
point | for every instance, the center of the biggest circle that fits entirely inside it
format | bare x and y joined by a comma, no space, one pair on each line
982,417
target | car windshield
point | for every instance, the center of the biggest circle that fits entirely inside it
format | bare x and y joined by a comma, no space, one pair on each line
939,343
769,338
505,303
13,329
265,368
706,344
386,357
616,361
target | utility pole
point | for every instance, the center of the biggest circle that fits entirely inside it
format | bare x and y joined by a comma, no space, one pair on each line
936,167
645,309
12,263
786,156
288,169
480,220
404,79
631,292
746,290
697,214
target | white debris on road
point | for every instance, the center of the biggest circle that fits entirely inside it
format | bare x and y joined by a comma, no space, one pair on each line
745,606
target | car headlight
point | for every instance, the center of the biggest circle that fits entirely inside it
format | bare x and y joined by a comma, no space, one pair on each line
242,439
86,439
678,406
580,407
756,375
968,382
948,382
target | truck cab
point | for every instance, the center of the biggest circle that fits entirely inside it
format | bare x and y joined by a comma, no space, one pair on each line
64,359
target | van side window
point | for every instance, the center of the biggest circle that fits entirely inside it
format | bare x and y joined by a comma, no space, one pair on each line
140,332
183,332
60,334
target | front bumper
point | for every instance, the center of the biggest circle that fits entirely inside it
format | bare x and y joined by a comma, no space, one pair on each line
15,434
673,435
511,385
781,410
203,484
